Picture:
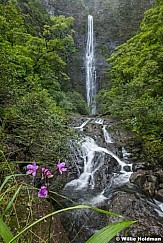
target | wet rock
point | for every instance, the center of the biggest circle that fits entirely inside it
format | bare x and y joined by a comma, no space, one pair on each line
107,166
139,165
149,188
152,178
150,182
146,181
159,174
138,178
161,185
136,207
127,168
150,185
159,195
131,205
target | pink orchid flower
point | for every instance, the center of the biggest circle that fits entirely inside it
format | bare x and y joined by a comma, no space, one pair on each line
31,169
43,192
45,172
61,166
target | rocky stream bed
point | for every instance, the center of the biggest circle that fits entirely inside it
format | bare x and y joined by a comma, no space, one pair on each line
118,179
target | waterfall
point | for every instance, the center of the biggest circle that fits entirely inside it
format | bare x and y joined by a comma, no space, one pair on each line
94,159
89,149
90,68
99,176
106,135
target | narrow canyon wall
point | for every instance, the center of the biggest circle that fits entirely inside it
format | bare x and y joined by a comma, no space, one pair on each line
115,21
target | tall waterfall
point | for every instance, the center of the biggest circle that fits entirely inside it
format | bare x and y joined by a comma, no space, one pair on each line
90,68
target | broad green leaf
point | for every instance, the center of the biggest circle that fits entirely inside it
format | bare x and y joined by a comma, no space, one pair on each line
5,232
108,232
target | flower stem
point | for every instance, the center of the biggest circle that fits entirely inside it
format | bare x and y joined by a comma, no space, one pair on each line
50,221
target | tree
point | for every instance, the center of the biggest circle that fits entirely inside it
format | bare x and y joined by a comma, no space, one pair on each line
136,92
32,69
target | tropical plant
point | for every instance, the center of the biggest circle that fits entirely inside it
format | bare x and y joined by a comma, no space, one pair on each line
136,89
103,235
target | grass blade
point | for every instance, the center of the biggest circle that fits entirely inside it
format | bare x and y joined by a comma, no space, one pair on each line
8,178
12,200
5,233
106,212
63,210
108,232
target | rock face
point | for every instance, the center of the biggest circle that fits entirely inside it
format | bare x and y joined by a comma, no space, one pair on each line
115,21
134,200
135,207
150,182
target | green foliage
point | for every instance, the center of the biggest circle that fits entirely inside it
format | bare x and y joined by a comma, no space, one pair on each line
71,102
36,125
137,87
107,233
35,16
7,190
34,54
78,104
5,232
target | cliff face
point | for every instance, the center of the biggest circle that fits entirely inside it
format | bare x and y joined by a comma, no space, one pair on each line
115,21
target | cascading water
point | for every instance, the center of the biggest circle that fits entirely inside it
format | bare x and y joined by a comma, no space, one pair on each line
90,68
99,176
93,157
107,137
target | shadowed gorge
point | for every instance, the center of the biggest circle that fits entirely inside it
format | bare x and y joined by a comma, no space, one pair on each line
114,23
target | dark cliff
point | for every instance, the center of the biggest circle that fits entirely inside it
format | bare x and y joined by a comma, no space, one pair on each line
115,22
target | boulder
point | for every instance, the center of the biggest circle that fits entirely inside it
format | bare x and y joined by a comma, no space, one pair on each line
139,166
159,195
81,224
138,178
134,206
146,180
149,188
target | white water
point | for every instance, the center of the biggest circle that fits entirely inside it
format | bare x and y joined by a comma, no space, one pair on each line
96,199
90,68
125,153
99,121
88,150
107,137
80,128
160,204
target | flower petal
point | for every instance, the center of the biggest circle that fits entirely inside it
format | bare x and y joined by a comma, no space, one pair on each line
64,169
29,167
34,173
43,192
29,172
43,169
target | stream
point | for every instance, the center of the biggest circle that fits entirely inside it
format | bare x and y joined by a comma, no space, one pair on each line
99,176
93,157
